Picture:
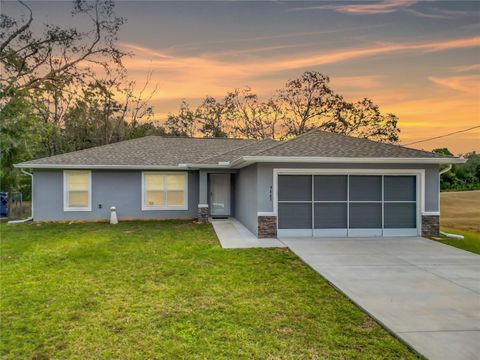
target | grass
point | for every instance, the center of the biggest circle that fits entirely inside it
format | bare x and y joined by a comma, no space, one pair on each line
471,242
461,210
460,214
143,290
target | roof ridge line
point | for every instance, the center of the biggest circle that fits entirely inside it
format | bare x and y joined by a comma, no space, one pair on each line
229,151
382,143
138,139
286,141
93,147
194,137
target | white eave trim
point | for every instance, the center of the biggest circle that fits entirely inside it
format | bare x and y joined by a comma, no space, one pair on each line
121,167
209,166
246,160
351,160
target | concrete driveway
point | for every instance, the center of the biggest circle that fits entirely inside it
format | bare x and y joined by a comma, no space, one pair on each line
427,293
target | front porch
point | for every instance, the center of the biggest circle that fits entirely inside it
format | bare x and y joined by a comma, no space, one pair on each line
233,194
233,235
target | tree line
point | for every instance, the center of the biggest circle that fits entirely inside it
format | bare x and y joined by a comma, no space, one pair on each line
303,103
462,177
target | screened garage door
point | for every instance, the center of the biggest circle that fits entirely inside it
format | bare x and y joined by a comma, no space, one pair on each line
347,205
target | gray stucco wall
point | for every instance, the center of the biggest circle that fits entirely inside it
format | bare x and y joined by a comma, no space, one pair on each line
265,180
246,197
120,188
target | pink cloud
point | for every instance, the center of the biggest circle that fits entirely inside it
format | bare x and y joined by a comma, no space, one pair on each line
384,7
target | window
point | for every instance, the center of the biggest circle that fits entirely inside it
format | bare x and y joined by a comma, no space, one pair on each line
77,190
164,191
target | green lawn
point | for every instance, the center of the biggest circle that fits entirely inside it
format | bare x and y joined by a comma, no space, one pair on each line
471,242
143,290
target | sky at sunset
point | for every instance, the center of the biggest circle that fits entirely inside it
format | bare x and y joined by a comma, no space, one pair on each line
417,59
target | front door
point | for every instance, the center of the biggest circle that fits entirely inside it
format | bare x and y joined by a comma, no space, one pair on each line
220,194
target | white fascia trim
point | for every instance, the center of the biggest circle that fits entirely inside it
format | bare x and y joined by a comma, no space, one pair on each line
208,166
351,160
266,213
89,167
431,213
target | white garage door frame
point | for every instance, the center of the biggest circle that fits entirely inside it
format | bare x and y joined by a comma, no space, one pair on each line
420,201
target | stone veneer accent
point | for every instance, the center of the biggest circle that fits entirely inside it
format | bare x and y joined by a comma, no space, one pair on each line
267,227
203,214
430,225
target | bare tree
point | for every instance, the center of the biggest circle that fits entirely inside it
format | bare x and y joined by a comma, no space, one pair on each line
211,115
363,119
57,55
249,117
306,101
185,123
105,110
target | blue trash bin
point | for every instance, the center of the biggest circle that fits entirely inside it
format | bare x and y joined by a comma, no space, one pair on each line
3,204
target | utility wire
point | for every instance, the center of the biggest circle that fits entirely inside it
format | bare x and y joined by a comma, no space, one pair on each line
442,136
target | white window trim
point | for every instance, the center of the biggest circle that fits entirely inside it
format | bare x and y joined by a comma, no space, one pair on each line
157,207
65,191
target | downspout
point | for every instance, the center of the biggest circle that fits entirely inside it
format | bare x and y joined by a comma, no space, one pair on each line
448,168
451,236
31,217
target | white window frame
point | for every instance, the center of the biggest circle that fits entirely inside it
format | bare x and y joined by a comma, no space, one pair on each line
146,207
66,207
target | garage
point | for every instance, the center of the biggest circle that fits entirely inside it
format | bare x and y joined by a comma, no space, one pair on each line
347,205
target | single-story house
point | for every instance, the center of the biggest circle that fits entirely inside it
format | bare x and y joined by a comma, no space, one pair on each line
316,184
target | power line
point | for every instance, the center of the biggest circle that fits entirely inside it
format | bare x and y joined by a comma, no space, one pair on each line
442,136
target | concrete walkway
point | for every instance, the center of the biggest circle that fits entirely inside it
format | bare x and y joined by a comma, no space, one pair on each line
427,293
233,235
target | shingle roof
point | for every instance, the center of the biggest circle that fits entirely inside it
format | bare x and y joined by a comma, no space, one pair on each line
326,144
149,151
157,151
250,149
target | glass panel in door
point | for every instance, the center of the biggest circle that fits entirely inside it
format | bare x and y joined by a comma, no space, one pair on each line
220,194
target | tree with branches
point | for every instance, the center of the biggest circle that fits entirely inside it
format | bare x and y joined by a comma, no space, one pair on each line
363,119
57,55
306,101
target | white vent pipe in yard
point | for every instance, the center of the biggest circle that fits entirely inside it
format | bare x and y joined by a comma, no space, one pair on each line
113,215
31,217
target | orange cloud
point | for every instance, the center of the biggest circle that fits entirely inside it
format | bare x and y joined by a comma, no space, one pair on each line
423,113
161,60
468,83
467,68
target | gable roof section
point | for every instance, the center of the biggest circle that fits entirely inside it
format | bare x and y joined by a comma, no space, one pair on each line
327,144
317,146
156,152
149,151
249,149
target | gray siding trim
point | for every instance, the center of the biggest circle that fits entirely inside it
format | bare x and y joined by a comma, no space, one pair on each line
119,188
246,197
265,180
